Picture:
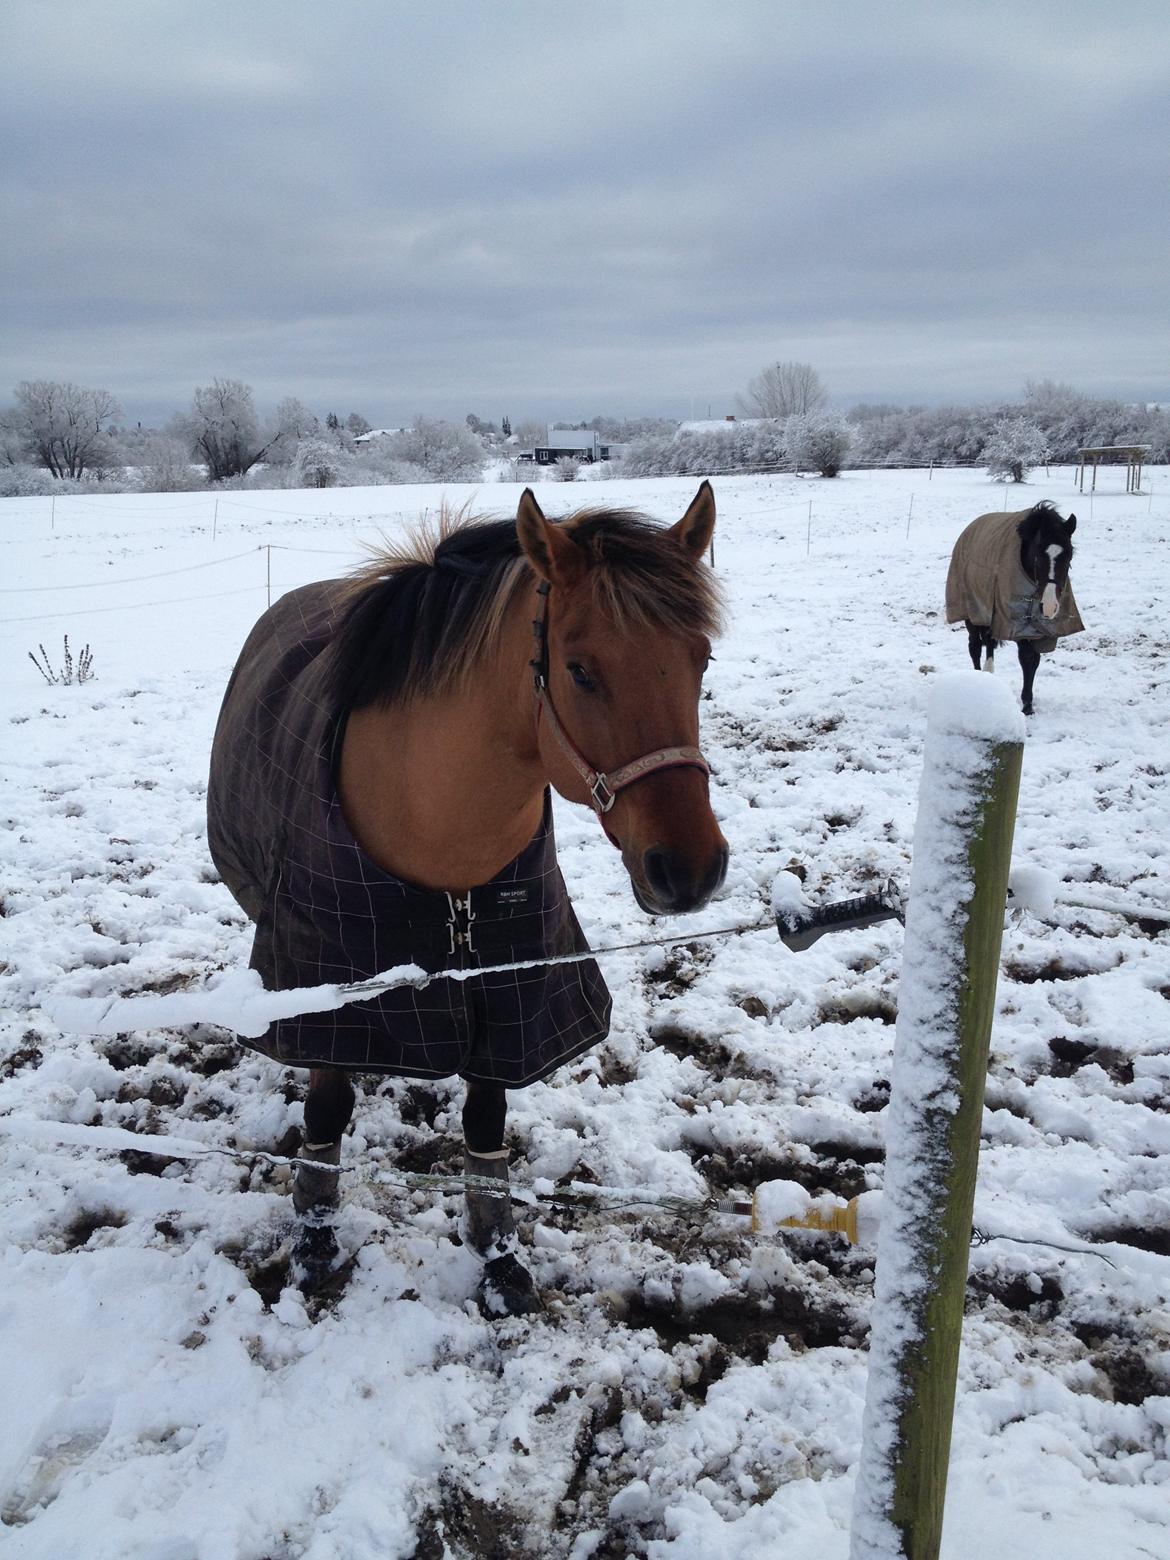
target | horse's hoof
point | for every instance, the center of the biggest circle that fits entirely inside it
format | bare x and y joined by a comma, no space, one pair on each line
507,1288
316,1256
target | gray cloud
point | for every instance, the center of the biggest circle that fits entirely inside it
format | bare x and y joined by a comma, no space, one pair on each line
565,209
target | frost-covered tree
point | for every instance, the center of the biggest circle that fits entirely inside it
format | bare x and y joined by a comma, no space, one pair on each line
529,432
318,462
224,430
819,441
64,427
295,420
625,430
1015,446
292,423
784,390
730,447
356,424
12,446
446,451
164,465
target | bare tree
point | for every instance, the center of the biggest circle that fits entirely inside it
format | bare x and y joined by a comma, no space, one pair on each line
784,390
225,431
64,427
529,432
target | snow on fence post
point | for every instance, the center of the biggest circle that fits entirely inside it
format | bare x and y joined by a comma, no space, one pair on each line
954,927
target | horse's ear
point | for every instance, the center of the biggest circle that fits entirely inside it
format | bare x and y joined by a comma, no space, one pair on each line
550,551
696,528
1070,524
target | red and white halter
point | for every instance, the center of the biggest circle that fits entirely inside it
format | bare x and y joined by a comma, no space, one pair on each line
603,788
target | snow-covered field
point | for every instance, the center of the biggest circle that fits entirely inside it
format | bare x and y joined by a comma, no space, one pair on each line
692,1392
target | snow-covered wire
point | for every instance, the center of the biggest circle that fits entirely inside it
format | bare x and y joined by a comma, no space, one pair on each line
169,601
132,579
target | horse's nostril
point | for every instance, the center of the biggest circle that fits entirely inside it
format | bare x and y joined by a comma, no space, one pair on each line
657,866
721,871
678,887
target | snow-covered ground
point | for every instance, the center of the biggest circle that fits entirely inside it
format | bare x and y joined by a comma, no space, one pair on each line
692,1392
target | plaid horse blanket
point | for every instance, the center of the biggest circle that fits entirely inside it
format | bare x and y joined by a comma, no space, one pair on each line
987,586
325,912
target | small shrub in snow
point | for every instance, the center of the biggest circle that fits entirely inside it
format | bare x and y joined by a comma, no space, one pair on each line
25,481
818,441
72,671
1015,446
567,469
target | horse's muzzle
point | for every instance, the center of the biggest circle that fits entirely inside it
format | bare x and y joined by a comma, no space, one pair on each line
671,886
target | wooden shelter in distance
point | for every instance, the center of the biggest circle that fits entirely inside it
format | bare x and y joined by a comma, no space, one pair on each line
1113,455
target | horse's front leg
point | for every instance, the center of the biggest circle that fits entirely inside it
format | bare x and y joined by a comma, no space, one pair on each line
316,1189
975,644
506,1288
1029,661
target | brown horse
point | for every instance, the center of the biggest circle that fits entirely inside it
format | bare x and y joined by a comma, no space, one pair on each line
379,794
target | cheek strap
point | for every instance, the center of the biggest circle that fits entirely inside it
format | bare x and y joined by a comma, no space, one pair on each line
602,788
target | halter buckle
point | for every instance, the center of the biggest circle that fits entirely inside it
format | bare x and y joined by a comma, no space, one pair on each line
601,795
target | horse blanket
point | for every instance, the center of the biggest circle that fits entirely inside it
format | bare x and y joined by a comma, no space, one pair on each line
987,586
325,912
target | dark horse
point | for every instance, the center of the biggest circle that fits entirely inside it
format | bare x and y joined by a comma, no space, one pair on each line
1008,579
379,794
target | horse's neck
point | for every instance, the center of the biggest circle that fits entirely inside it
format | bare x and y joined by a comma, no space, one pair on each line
444,792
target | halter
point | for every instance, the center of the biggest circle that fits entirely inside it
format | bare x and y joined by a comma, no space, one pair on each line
603,788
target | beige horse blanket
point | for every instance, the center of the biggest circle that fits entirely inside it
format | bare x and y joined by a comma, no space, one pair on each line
987,586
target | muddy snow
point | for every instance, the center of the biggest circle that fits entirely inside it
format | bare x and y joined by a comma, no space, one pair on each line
691,1391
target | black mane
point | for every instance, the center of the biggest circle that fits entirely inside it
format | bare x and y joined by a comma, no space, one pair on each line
1043,523
417,618
400,624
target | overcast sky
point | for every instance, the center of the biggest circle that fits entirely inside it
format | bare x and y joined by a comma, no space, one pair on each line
558,210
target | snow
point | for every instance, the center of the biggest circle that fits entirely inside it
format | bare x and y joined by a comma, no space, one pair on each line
787,897
776,1201
971,704
235,998
691,1391
1033,888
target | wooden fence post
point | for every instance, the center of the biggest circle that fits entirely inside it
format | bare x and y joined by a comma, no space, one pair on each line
954,926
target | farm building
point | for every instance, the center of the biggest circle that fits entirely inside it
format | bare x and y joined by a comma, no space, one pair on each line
571,443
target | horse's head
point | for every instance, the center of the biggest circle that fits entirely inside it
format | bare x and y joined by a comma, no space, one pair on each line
1046,551
625,611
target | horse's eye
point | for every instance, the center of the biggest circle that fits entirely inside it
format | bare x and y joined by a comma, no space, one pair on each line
581,677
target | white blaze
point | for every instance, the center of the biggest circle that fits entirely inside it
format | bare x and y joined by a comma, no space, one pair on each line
1048,602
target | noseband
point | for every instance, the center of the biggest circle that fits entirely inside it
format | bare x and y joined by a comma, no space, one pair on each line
603,788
